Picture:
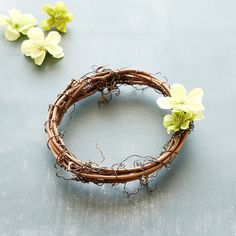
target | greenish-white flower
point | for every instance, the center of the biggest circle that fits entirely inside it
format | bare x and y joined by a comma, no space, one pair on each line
37,45
180,120
180,100
16,24
59,16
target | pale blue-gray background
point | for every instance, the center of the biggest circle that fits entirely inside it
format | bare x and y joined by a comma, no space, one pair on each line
191,42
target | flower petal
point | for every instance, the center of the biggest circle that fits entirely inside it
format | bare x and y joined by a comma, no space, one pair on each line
55,50
178,91
168,120
36,34
182,107
197,107
195,94
39,60
49,9
165,102
53,37
15,15
11,34
59,55
36,52
198,116
194,99
4,20
47,24
188,115
185,125
68,17
60,7
26,47
27,22
173,128
30,49
61,27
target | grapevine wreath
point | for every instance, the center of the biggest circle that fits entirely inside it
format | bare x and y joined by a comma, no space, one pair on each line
185,109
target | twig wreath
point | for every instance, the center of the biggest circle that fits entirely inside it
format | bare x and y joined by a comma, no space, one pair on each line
185,109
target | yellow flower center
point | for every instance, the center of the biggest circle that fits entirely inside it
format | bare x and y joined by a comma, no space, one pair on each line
58,17
14,24
178,119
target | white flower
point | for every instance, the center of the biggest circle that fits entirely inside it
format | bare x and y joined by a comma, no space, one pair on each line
16,23
37,46
180,100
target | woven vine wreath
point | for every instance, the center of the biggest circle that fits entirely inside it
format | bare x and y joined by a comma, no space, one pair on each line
185,109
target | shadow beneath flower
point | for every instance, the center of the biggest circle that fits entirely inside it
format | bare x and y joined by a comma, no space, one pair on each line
49,61
13,44
19,41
